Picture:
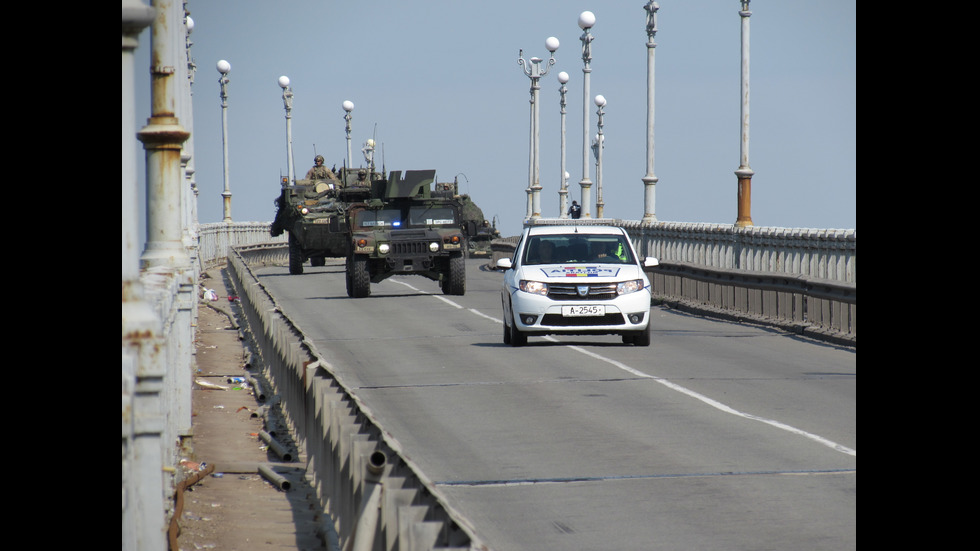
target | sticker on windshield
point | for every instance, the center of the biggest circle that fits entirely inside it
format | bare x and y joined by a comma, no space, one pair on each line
581,271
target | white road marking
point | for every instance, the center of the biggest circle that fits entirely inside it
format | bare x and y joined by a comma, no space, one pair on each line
676,387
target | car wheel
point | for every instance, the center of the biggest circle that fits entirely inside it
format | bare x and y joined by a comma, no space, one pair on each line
641,338
506,333
517,337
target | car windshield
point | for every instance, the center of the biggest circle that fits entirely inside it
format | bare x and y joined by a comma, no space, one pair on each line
577,248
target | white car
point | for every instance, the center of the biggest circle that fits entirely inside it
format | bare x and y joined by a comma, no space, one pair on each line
576,280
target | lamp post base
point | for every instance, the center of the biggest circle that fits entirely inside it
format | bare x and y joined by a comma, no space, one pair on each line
744,198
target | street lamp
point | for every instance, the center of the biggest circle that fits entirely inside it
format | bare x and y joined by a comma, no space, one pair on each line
597,147
744,173
368,151
563,192
348,107
287,101
224,68
585,21
650,180
535,73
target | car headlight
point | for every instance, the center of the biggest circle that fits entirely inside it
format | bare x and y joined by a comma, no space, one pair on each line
534,287
627,287
434,247
383,248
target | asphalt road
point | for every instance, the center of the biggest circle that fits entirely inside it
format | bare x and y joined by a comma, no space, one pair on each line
717,436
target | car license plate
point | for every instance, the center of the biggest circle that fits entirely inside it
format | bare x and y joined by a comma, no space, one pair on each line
593,310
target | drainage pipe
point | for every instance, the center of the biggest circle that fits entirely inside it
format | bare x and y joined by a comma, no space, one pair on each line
275,446
259,394
367,521
275,478
179,502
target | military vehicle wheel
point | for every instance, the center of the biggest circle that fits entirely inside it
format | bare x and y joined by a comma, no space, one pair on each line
455,279
295,256
358,276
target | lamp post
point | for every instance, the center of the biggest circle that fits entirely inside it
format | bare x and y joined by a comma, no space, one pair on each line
348,107
563,192
585,21
650,180
287,101
224,68
744,172
368,151
535,73
597,147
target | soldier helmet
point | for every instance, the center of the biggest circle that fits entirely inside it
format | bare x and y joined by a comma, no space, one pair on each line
318,159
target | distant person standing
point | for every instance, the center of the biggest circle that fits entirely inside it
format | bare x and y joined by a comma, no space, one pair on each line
575,210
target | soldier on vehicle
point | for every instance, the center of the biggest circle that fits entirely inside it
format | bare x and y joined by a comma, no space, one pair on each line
319,172
575,210
362,178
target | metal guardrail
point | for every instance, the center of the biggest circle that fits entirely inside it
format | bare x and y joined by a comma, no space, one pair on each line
351,456
807,306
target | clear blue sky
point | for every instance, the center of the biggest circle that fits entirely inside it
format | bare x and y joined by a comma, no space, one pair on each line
438,83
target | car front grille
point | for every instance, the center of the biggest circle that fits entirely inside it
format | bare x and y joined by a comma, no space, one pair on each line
597,291
559,320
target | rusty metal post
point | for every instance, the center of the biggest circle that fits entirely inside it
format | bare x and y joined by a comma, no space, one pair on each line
744,173
143,524
165,257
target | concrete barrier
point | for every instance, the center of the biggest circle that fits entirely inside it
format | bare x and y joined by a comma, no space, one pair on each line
341,436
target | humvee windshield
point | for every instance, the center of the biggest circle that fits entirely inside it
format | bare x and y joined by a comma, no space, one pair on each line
417,216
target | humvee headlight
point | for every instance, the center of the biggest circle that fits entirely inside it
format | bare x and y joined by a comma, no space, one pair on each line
383,248
434,247
304,211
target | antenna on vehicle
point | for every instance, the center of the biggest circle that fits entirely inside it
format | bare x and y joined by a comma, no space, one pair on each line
455,178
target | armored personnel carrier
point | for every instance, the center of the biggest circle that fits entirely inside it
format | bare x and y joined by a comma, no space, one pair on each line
404,228
479,231
313,212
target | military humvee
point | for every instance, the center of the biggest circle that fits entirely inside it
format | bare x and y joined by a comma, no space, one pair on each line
405,228
314,214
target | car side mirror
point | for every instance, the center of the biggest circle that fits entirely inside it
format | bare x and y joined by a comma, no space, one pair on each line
650,262
504,263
